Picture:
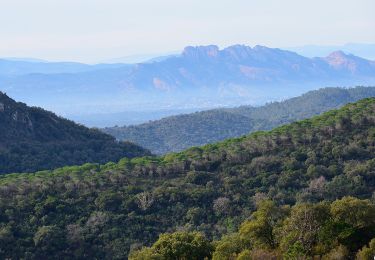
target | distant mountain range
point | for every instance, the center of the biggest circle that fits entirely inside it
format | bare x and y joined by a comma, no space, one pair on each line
141,58
19,67
176,133
33,139
201,77
359,49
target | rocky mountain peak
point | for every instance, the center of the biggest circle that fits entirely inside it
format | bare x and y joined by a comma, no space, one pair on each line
260,48
337,54
338,59
238,51
200,52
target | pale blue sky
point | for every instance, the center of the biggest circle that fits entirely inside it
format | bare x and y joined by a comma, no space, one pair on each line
94,30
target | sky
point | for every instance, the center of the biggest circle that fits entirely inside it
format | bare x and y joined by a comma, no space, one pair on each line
96,30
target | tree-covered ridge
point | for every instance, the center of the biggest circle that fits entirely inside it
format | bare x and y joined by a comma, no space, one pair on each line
104,211
33,139
180,132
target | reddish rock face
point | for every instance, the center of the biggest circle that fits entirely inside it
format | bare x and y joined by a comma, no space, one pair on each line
338,59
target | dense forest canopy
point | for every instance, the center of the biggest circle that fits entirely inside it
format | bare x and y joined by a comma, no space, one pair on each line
33,139
180,132
106,211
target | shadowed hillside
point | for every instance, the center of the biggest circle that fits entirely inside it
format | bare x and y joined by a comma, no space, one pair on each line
33,139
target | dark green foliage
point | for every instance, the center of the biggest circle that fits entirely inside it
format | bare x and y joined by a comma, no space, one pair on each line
180,132
33,139
104,211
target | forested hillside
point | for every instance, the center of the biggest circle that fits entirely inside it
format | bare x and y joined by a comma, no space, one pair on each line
33,139
105,211
180,132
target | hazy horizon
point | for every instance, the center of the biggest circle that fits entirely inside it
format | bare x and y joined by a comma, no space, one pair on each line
94,31
362,50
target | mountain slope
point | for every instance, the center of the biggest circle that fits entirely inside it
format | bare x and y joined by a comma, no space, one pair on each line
241,65
176,133
97,211
201,77
34,139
